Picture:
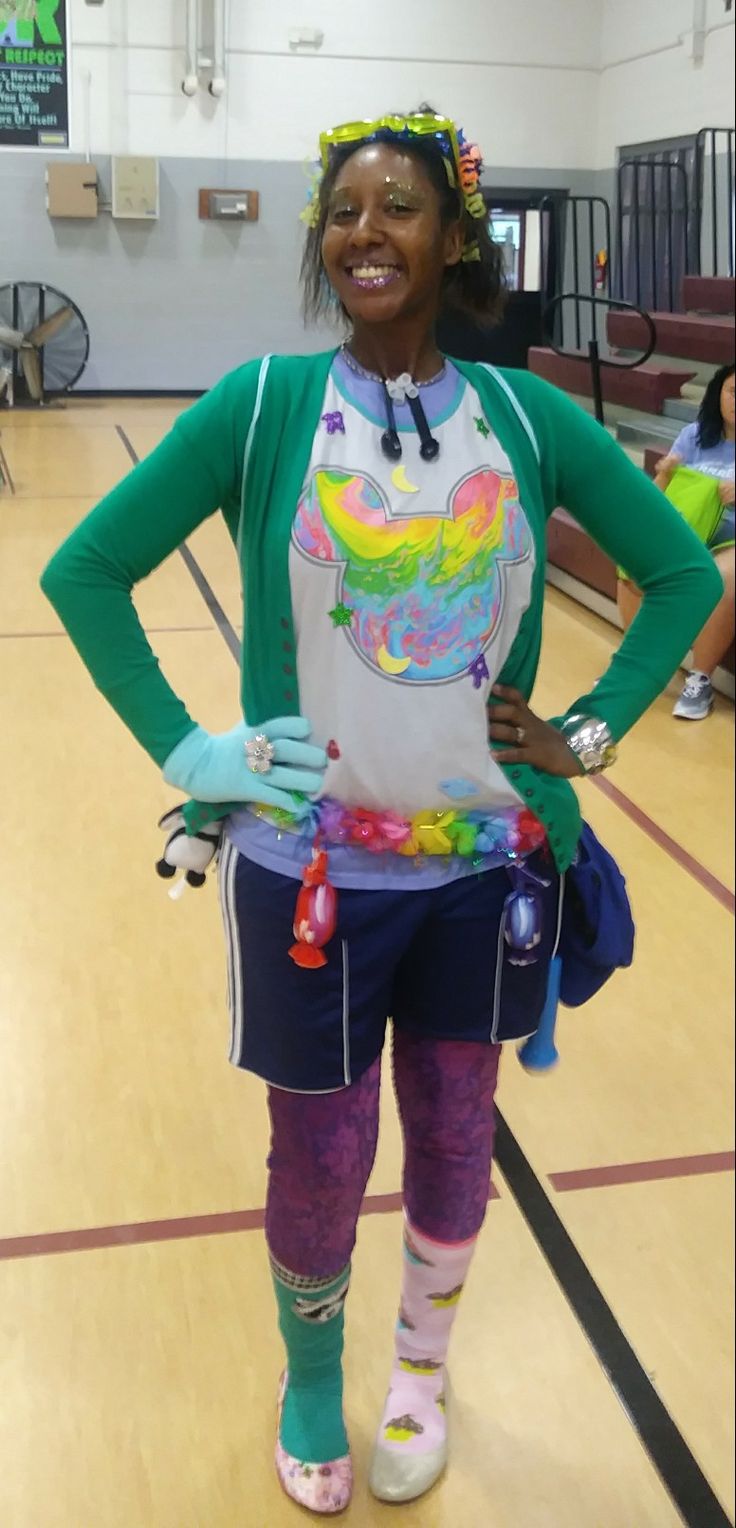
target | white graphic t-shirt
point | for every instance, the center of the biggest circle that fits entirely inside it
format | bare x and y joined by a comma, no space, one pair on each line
409,580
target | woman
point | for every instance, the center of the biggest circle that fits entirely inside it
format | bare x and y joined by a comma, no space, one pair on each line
389,509
706,447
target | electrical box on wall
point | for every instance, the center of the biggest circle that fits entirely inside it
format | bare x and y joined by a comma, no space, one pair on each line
229,206
71,190
134,187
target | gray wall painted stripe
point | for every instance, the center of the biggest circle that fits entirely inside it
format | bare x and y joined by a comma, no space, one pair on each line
177,303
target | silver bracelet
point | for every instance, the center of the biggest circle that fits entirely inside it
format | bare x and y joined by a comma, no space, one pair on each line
591,741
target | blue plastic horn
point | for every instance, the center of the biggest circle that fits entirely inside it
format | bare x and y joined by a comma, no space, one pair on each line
539,1053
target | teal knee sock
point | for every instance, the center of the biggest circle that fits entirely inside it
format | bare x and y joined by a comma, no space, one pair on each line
311,1319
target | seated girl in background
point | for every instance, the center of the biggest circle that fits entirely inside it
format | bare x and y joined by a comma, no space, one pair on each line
705,447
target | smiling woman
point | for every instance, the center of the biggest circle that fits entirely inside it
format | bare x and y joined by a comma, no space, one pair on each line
408,195
389,507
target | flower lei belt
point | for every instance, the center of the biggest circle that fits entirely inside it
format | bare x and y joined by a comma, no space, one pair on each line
512,831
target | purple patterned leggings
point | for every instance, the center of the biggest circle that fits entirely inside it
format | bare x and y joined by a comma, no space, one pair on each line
323,1147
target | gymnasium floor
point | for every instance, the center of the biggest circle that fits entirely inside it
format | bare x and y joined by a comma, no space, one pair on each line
139,1350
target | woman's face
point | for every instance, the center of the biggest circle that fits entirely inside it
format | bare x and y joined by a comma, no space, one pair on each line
727,401
384,249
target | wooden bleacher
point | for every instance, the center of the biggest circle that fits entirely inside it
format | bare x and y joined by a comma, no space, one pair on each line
706,337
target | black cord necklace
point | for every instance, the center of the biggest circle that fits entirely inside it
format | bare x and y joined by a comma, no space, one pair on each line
401,390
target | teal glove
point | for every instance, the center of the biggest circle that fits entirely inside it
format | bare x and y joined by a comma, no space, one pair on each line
214,766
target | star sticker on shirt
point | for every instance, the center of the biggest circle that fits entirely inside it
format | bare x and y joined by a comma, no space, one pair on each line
342,615
482,428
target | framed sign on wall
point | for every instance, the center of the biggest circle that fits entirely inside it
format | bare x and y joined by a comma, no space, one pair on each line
34,74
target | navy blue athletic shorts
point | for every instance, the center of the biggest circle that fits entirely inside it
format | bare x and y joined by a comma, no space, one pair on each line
434,960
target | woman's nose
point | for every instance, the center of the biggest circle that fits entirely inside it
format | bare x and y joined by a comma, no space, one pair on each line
365,230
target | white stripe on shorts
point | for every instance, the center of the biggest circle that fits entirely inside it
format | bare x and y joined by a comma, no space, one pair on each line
227,871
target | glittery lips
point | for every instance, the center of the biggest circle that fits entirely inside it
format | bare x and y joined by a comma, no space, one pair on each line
372,278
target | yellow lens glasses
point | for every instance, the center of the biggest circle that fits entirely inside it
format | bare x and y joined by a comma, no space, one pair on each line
420,124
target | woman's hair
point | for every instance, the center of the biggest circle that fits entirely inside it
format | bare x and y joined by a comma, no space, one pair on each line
474,287
710,418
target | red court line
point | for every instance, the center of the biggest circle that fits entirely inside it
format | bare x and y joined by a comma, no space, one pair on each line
136,1233
643,1172
687,862
182,1228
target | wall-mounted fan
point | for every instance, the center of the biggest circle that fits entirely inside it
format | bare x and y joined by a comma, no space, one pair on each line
44,342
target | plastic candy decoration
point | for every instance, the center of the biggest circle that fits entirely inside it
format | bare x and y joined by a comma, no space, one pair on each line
512,832
523,927
334,422
523,917
315,919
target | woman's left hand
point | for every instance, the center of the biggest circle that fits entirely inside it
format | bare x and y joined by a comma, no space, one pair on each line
727,492
531,740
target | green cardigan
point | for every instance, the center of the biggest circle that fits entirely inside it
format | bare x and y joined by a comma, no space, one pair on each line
245,448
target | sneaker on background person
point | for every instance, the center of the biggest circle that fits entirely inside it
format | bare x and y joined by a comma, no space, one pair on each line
696,700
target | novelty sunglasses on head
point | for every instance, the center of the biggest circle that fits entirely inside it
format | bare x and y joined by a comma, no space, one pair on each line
417,125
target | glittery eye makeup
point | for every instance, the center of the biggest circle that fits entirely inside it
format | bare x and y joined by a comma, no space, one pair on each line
398,196
404,196
341,203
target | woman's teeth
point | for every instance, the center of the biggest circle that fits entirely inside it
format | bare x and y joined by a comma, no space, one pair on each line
373,275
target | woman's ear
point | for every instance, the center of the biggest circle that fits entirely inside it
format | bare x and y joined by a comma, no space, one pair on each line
454,243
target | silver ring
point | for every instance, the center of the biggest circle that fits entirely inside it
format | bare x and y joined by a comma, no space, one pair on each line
260,753
520,735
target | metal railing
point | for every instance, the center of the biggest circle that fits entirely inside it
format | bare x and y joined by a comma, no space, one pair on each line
572,231
714,200
597,361
655,241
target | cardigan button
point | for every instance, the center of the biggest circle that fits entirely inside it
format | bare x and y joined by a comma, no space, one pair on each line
284,623
516,774
529,795
288,668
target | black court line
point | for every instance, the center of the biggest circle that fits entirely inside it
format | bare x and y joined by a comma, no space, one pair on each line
676,1465
192,566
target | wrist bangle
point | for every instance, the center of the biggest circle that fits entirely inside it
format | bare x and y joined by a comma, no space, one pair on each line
591,741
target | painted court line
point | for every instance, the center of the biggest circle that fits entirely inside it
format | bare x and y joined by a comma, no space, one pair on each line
182,1227
685,860
179,1228
643,1172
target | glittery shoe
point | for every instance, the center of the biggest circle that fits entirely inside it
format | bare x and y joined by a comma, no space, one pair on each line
322,1488
398,1471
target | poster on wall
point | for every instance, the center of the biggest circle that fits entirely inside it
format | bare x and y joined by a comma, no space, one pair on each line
34,81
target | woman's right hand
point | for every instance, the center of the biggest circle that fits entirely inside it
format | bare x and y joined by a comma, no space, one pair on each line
215,767
727,492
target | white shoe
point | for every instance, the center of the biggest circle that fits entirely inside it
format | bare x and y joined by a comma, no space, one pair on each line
697,699
397,1477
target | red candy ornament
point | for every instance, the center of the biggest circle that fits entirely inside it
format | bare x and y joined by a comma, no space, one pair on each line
332,750
315,919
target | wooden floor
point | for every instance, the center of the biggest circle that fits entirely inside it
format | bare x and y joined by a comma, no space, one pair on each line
139,1361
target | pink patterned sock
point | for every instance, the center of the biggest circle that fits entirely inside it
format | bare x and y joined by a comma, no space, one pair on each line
414,1421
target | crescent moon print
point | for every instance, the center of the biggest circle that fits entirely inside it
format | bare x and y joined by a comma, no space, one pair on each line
427,593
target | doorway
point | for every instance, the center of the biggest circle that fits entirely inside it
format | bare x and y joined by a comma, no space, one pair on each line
522,229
